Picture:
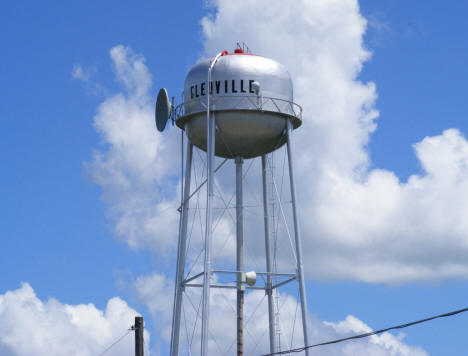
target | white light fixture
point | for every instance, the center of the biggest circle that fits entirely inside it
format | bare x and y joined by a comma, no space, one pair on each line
249,278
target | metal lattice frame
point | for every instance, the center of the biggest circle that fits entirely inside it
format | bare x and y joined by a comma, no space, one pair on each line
271,279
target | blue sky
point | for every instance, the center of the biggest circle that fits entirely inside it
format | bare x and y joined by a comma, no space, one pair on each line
59,232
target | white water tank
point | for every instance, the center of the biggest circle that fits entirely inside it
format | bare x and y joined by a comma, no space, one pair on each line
251,98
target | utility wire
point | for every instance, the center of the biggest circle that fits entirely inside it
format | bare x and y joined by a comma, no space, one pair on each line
300,349
116,341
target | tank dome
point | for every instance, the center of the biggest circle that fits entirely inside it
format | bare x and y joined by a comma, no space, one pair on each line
251,98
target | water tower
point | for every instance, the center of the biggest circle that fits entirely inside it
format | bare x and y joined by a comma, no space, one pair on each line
236,106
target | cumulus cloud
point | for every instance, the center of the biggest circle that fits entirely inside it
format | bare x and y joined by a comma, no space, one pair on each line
156,291
403,231
352,215
85,74
31,326
386,229
81,73
135,166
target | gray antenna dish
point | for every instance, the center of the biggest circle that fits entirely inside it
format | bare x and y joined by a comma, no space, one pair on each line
163,109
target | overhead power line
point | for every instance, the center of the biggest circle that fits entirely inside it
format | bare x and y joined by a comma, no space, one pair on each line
117,341
300,349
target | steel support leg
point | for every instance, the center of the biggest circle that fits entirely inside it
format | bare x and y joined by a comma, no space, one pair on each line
181,251
210,152
269,291
297,237
208,234
239,256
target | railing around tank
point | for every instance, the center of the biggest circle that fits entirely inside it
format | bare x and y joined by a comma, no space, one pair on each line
239,102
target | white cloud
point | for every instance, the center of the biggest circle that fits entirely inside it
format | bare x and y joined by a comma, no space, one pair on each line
85,75
136,166
388,230
131,71
81,73
156,291
31,326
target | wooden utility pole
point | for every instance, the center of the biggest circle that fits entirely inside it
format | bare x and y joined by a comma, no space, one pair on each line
139,327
